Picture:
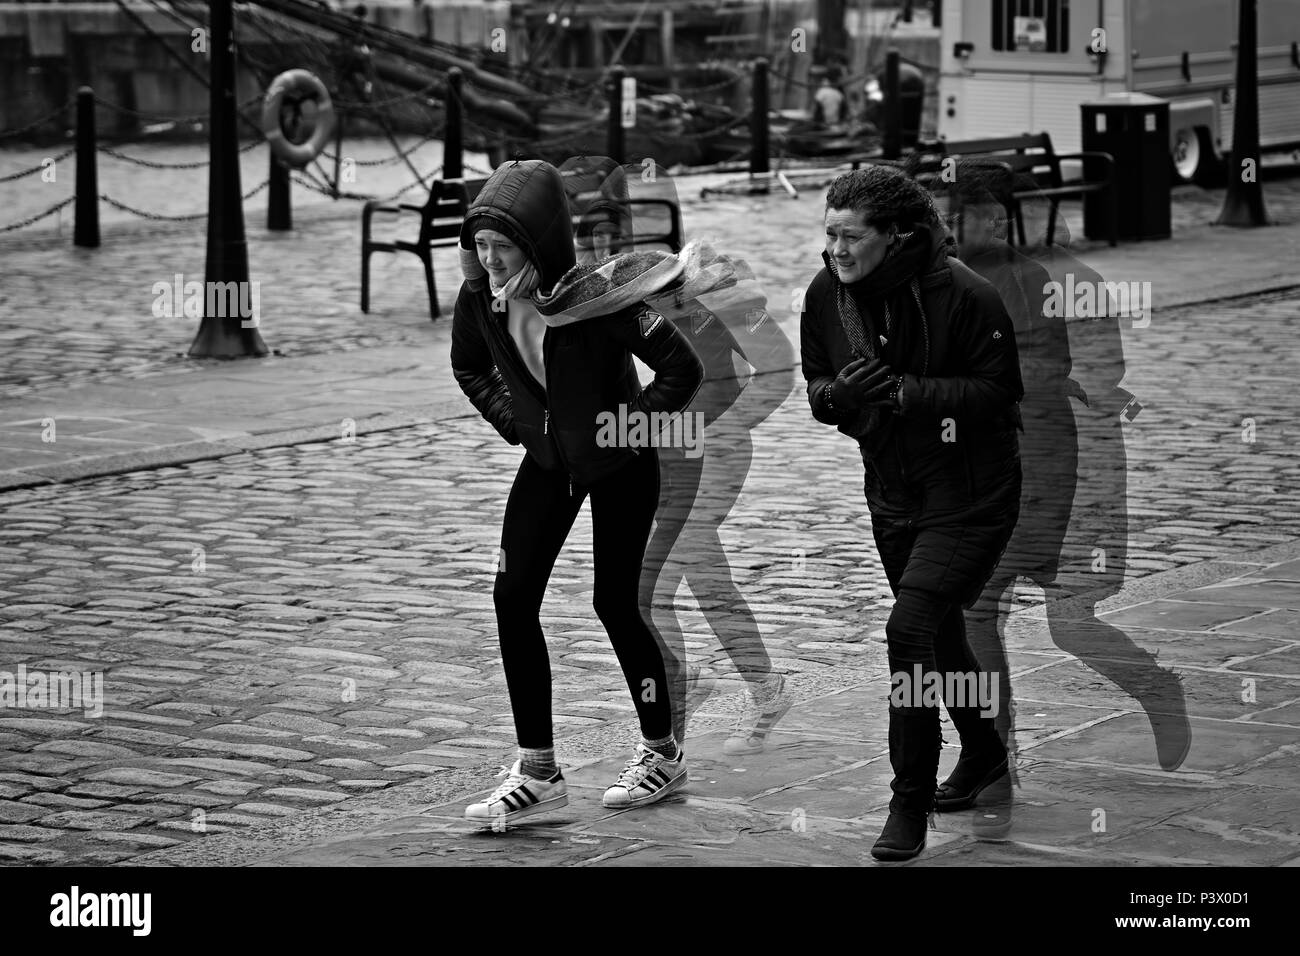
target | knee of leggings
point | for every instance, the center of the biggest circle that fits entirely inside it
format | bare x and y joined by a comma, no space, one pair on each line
615,609
514,598
911,629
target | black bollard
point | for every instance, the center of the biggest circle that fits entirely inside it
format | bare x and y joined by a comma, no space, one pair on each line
224,332
758,123
453,142
85,231
1243,205
614,137
892,147
279,209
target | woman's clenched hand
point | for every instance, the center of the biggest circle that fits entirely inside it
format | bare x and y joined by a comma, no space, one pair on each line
863,382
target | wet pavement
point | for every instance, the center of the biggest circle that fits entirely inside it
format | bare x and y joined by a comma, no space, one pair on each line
282,570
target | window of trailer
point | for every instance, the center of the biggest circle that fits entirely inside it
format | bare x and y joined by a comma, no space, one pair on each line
1031,26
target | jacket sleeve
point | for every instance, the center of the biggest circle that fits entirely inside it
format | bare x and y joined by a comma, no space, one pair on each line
653,339
990,386
814,356
477,376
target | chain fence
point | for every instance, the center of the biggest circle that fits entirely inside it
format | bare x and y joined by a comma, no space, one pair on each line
39,216
39,167
37,124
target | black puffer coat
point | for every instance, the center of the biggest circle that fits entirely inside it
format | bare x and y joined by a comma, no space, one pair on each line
943,473
589,368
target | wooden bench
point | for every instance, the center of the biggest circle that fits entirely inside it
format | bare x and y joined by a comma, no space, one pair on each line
1029,156
1032,156
443,213
440,221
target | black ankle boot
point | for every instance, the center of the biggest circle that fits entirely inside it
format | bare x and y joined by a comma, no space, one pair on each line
983,760
914,754
974,772
902,838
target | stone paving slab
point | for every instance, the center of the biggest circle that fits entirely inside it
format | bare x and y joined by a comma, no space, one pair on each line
300,626
824,780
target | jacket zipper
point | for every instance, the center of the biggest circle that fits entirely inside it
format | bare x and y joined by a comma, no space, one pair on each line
546,391
546,423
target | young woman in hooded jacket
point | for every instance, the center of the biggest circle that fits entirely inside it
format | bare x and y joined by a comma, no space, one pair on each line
912,354
547,384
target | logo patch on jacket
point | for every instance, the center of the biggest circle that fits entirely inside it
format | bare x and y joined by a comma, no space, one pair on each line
650,321
700,320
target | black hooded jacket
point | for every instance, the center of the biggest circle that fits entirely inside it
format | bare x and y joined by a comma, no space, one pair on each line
948,461
589,367
951,452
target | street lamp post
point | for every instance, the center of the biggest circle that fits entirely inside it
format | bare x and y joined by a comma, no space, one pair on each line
225,335
1244,203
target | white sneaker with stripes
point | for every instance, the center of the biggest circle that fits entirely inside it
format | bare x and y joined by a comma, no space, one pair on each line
648,776
768,704
520,796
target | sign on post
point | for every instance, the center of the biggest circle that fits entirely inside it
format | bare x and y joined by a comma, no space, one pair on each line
629,102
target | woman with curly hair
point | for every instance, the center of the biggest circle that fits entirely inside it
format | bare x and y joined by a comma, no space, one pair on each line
913,355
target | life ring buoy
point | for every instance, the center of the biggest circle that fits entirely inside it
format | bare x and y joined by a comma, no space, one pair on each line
296,86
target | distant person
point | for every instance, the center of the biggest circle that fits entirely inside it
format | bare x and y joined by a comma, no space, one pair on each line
546,384
830,109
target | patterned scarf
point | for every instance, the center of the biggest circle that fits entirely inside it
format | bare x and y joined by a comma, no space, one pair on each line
901,265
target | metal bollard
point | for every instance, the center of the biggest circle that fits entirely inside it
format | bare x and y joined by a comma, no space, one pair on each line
279,209
85,231
614,136
453,143
892,146
758,123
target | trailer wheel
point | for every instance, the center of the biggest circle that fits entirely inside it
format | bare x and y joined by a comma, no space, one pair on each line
1194,159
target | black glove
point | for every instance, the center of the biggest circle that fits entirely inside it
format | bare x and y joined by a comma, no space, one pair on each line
863,382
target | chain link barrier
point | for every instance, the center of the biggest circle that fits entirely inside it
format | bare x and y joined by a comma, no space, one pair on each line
366,197
162,217
158,117
38,167
35,124
39,216
687,91
397,157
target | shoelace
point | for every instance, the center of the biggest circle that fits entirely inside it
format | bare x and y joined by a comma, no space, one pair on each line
637,769
513,780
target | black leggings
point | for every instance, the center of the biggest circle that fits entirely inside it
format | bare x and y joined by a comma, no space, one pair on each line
539,514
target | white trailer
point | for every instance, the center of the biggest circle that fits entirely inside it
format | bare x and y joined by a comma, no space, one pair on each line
1023,66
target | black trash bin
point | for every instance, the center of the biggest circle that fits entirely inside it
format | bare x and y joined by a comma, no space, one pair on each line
1134,128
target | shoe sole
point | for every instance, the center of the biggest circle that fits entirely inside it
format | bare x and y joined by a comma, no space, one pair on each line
672,785
951,804
542,806
892,855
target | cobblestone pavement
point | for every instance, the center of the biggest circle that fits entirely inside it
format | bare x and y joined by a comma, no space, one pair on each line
87,316
281,629
288,628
